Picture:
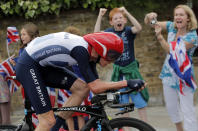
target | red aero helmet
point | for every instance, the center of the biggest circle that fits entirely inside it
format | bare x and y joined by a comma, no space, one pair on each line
105,43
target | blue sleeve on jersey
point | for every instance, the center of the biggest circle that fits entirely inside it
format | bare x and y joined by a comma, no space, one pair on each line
93,68
81,55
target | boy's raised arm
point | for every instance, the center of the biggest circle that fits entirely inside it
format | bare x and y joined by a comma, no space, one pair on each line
136,28
99,19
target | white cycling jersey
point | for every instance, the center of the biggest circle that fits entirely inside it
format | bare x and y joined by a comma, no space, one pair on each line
54,49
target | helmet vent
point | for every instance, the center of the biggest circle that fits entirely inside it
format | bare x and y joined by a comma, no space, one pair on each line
103,46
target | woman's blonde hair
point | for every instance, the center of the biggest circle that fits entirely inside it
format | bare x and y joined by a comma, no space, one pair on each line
192,24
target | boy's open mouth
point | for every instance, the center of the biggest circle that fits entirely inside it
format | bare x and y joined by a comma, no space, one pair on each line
119,25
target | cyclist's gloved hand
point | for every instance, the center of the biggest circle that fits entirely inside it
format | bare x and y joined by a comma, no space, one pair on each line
135,84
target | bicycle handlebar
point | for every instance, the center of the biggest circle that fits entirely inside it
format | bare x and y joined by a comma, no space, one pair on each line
109,96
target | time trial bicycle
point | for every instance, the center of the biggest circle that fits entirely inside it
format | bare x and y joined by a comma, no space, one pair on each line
99,119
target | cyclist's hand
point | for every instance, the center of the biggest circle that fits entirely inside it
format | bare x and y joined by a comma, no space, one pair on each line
136,84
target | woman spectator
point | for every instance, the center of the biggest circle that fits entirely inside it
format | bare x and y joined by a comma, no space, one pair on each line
179,99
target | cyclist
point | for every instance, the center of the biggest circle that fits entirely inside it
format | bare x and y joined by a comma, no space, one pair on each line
45,59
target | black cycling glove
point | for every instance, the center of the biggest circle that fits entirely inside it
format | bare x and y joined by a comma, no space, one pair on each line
135,84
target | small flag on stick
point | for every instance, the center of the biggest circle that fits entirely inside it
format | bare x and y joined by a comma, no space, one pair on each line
12,36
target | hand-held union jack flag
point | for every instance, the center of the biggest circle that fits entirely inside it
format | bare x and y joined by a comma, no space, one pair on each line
12,35
7,70
181,64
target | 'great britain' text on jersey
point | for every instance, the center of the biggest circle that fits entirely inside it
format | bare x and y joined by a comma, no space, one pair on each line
54,49
47,52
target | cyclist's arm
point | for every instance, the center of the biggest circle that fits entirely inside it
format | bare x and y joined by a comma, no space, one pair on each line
98,86
93,68
81,55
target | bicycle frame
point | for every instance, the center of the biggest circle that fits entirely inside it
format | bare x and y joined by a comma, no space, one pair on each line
97,112
91,110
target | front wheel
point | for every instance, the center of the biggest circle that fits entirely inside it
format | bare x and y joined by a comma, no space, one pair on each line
130,124
7,127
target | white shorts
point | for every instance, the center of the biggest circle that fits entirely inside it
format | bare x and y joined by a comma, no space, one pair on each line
181,107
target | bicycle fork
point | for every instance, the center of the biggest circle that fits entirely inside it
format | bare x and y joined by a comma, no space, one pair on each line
101,124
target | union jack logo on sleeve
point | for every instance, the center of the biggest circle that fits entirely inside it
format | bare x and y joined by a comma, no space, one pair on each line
12,35
181,65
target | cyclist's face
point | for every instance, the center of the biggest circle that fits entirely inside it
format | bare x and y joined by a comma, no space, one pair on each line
104,62
94,55
25,37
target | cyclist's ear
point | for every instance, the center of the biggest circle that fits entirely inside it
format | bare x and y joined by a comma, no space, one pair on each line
94,54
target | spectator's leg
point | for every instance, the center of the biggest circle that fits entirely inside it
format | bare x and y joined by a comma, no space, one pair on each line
173,106
70,123
81,121
188,109
140,104
79,92
143,114
5,113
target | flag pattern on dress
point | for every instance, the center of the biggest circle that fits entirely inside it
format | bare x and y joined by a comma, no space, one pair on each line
12,35
7,70
181,64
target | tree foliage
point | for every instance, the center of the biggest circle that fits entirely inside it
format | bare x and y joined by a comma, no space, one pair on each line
34,8
163,7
